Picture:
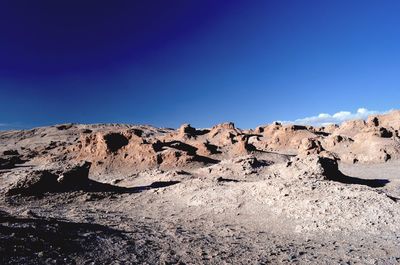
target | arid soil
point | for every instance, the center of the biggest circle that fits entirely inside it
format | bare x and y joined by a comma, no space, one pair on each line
125,194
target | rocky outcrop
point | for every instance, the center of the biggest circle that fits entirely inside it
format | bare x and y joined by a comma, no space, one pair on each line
186,131
10,158
127,149
310,167
65,178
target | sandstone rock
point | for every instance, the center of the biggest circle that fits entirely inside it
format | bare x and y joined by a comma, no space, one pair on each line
224,130
313,146
308,144
330,128
390,120
242,146
227,126
206,148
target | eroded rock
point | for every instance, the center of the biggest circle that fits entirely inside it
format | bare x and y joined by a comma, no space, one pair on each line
71,177
310,167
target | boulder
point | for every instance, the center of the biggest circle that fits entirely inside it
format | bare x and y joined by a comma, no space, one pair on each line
312,167
310,146
69,178
9,159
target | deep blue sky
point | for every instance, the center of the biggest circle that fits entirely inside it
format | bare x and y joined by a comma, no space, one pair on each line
204,62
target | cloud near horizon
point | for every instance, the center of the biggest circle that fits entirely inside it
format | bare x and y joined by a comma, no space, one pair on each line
339,117
8,126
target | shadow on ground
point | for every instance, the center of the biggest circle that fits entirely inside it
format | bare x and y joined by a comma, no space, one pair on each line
373,183
50,241
47,186
94,186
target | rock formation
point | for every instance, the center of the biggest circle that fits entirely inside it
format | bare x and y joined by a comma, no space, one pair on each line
278,193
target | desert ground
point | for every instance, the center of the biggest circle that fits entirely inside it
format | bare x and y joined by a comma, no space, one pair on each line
129,194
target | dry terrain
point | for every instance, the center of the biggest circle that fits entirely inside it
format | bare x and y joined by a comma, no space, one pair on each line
127,194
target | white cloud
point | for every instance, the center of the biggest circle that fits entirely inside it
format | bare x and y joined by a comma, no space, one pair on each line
337,118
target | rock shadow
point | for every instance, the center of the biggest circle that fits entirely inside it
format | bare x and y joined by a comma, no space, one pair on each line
201,132
115,141
373,183
222,179
205,160
189,149
94,186
321,133
89,185
9,160
214,149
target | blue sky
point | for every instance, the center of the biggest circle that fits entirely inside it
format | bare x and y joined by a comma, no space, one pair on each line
203,62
